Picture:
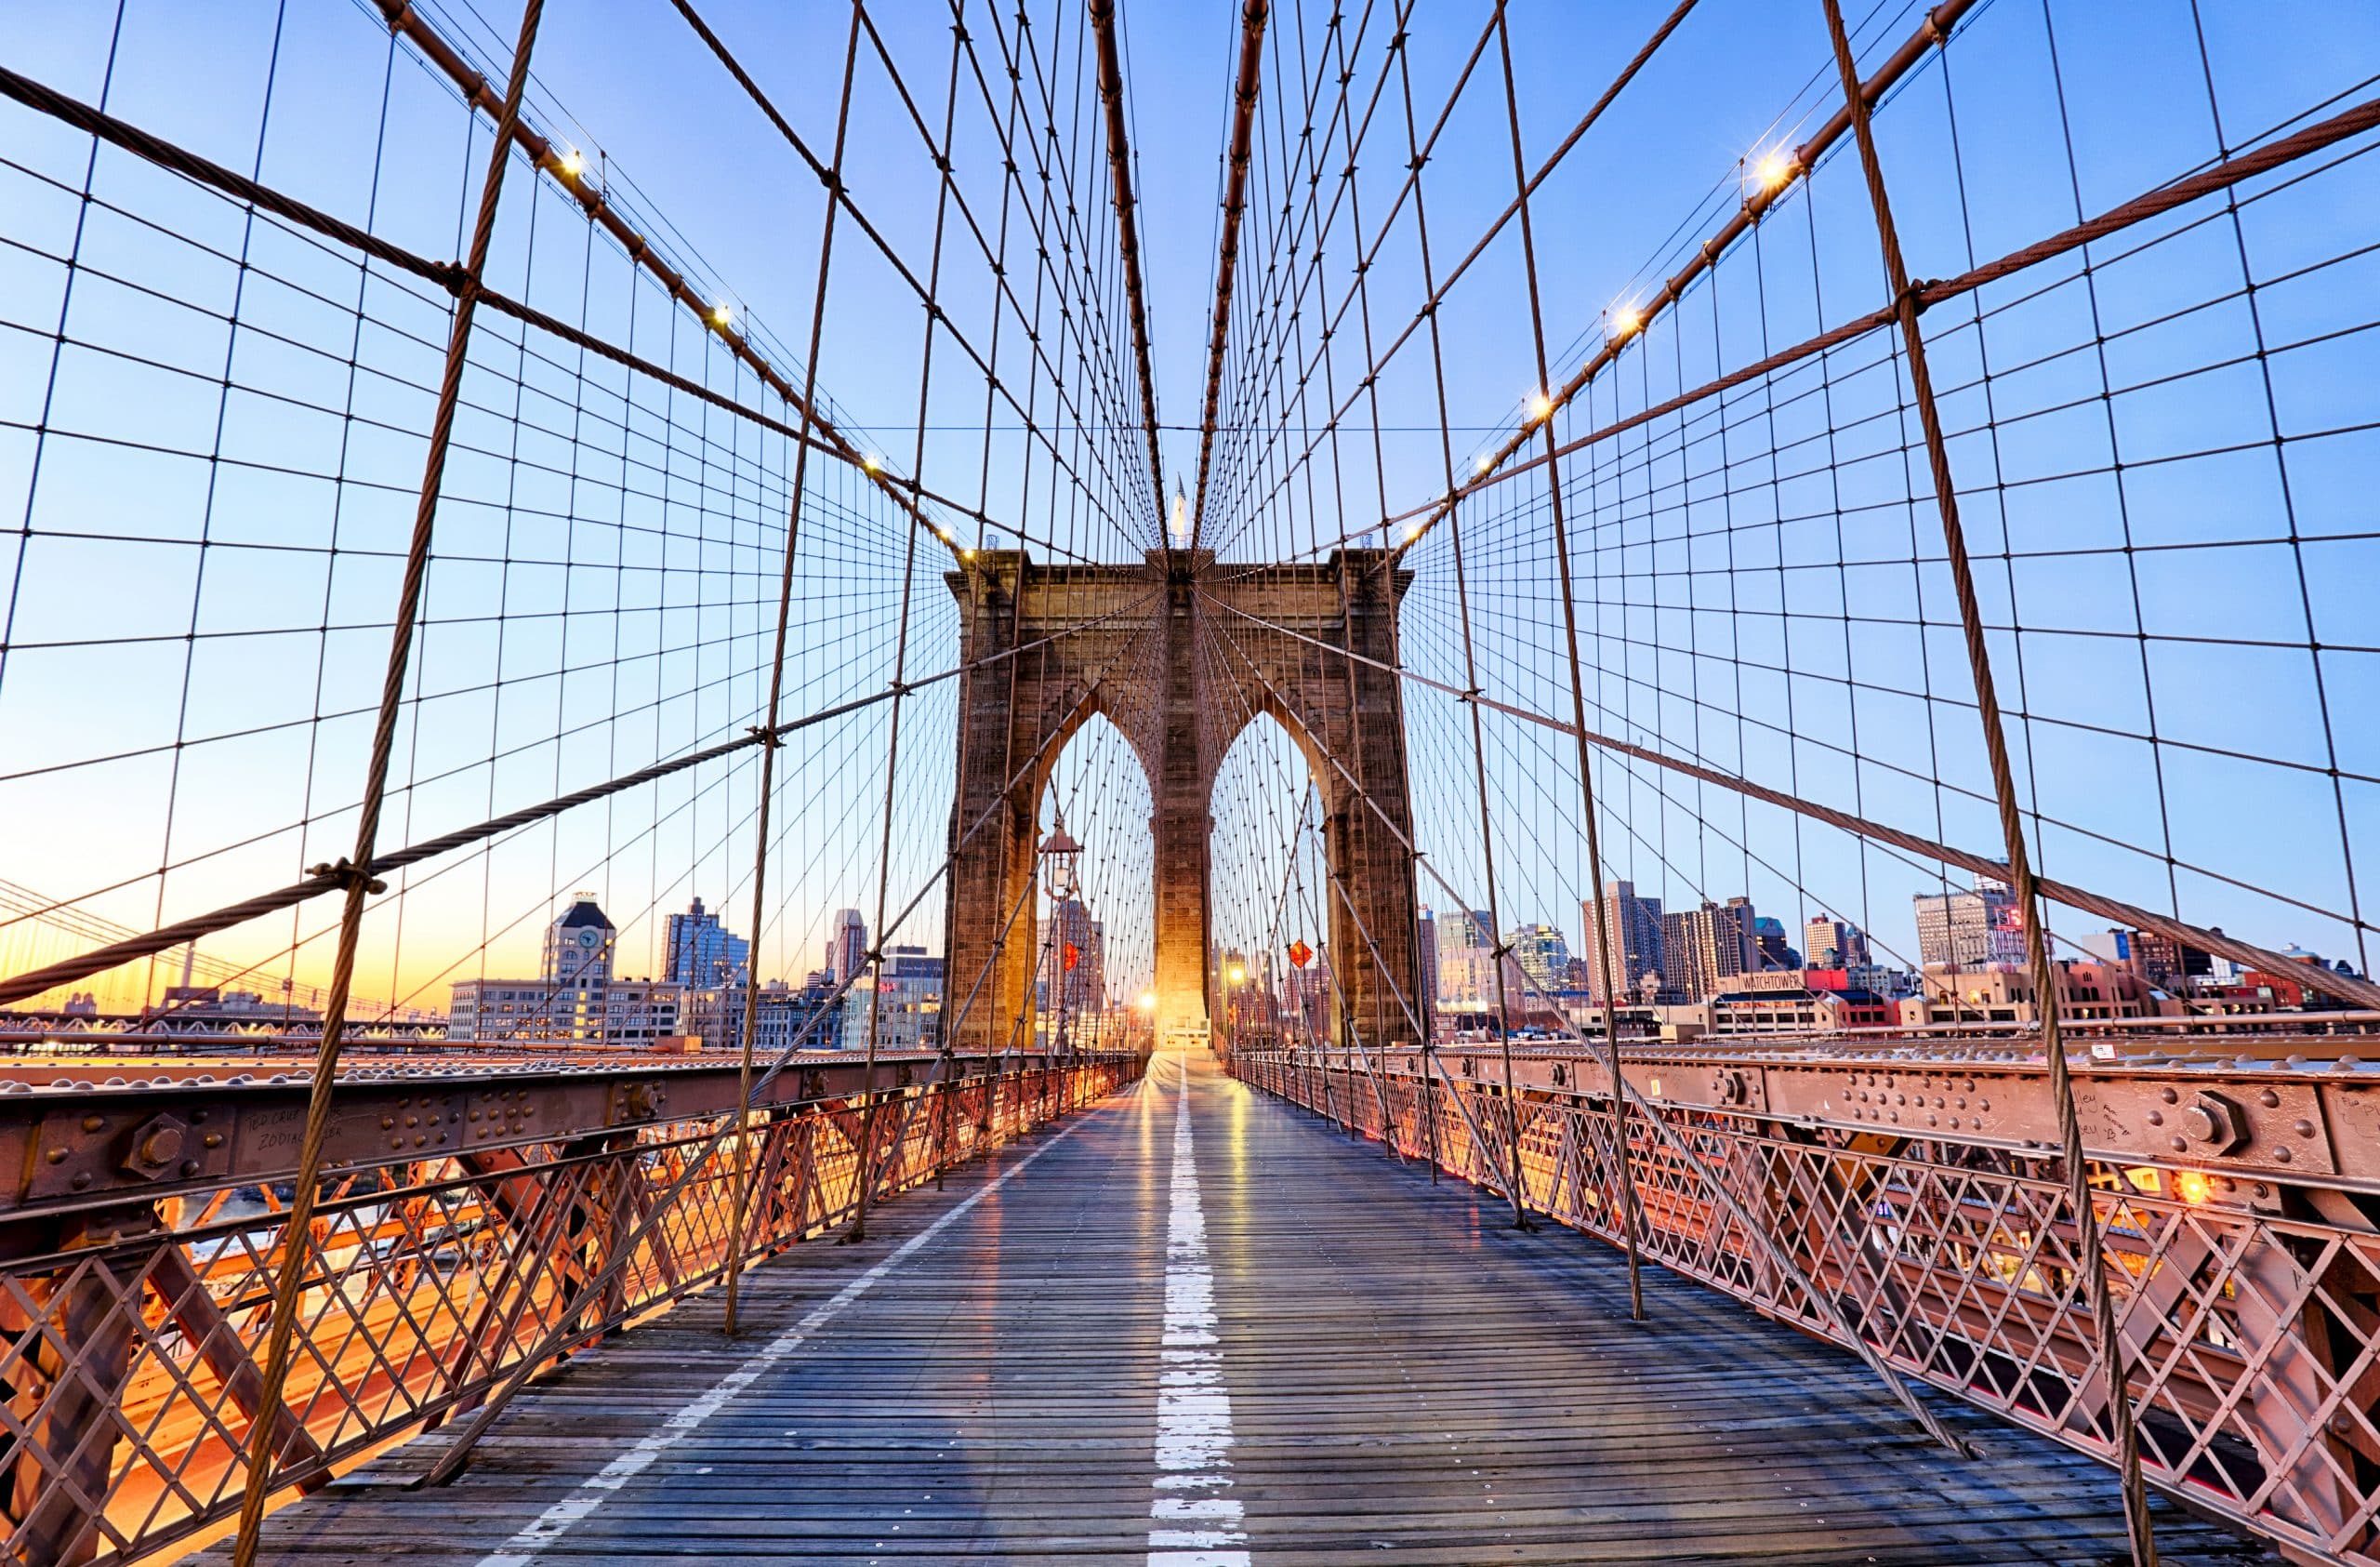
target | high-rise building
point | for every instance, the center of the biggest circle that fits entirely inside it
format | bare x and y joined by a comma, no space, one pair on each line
1427,946
846,944
1701,948
1969,929
1468,927
1466,962
1828,942
1543,956
715,1016
906,1001
1768,944
574,1000
2160,960
1631,926
699,950
1308,999
1080,986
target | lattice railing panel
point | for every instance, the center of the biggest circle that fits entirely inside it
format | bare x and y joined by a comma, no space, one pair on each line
2252,1331
129,1375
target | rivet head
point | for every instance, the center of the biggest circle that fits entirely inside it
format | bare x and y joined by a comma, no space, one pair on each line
2280,1156
57,1156
2269,1099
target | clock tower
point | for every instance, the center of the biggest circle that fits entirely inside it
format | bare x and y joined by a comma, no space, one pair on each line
578,951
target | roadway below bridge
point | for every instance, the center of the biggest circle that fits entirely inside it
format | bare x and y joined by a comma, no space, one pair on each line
1196,1328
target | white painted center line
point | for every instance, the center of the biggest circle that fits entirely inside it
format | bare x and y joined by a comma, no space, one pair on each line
1193,1522
593,1491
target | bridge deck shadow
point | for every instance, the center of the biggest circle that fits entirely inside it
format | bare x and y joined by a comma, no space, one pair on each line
1407,1379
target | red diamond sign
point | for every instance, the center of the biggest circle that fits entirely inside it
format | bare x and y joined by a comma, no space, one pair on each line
1300,954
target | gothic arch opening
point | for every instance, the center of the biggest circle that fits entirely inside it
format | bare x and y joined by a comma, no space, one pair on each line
1269,900
1095,953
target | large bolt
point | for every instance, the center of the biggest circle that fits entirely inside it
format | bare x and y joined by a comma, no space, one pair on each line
2214,1122
154,1148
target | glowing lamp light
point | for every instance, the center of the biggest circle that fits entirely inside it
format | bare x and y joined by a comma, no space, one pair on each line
1148,1001
1237,975
2193,1187
721,316
572,166
1412,532
1774,171
966,554
1540,408
870,462
1626,321
1061,863
1486,462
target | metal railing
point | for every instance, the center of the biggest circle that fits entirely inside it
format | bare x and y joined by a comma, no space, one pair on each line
2246,1280
143,1244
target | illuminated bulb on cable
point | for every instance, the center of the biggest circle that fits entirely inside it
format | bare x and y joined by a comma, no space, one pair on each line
2193,1187
572,166
1774,171
1627,320
1412,532
870,462
966,554
1486,462
720,316
1148,1001
1540,408
1237,975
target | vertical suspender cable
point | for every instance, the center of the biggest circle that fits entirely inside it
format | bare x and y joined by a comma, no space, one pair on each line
298,1250
1598,925
1403,48
2091,1259
858,1231
833,181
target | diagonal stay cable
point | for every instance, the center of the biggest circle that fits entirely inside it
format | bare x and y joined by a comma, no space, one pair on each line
2362,993
16,987
459,1452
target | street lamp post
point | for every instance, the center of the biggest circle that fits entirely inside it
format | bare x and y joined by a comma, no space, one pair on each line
1061,879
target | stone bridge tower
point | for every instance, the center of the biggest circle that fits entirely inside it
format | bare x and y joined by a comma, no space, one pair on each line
1180,661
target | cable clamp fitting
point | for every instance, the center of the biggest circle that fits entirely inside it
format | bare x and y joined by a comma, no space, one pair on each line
765,735
349,875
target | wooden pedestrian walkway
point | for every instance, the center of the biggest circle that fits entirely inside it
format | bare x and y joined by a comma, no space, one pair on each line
1193,1328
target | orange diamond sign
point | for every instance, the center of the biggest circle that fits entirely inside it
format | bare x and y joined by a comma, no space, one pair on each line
1300,954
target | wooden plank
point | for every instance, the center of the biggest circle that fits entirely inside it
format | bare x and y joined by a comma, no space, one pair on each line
1407,1378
